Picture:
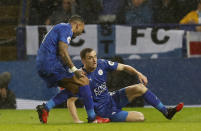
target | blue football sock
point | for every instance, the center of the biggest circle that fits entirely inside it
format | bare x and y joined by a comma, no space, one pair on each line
153,100
57,100
86,95
91,114
50,104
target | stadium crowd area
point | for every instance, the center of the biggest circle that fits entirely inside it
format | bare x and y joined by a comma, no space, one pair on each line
129,12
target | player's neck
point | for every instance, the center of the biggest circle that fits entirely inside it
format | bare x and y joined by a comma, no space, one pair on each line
88,69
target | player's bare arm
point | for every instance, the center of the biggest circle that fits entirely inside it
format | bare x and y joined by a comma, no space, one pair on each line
63,52
73,110
131,70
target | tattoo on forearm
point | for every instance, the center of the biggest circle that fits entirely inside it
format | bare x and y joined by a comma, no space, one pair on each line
67,60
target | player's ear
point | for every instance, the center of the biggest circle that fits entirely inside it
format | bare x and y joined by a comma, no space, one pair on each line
83,61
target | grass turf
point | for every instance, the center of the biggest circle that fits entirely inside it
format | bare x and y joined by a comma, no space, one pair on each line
189,119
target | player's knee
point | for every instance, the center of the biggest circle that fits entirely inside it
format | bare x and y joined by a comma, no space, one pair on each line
141,88
138,88
134,116
140,117
71,101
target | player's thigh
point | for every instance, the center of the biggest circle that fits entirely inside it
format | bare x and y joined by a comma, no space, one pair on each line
73,84
134,116
134,91
120,98
52,72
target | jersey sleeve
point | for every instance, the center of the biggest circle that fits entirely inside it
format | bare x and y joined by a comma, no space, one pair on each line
64,35
110,65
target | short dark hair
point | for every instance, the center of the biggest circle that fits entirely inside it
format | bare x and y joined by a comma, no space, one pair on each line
75,18
84,52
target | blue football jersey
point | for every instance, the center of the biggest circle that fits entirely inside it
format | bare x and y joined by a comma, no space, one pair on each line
60,32
48,61
103,102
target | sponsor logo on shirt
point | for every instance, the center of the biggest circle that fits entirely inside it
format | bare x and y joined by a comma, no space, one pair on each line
100,88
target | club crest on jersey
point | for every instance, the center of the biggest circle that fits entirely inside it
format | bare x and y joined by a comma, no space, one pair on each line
68,39
100,72
111,63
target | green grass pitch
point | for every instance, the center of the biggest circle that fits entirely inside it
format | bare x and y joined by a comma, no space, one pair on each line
189,119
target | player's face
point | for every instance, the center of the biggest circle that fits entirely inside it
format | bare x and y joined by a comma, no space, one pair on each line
90,61
79,29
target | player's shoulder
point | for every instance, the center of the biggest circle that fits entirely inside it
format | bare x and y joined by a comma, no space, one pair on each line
104,62
64,28
101,61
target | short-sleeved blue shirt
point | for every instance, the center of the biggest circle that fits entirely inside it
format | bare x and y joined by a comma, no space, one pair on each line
60,32
103,102
48,61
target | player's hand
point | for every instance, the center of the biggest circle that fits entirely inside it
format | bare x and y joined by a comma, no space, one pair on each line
79,73
143,79
84,72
